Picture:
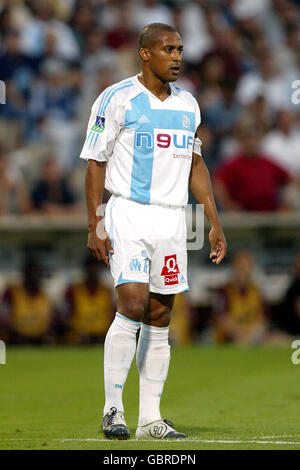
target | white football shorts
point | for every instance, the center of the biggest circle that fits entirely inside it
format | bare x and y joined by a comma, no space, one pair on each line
149,243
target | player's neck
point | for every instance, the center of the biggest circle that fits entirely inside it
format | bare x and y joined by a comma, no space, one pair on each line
157,87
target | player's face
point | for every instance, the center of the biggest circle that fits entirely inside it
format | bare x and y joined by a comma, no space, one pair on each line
166,56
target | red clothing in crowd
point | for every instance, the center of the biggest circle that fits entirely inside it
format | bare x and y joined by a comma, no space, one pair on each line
253,182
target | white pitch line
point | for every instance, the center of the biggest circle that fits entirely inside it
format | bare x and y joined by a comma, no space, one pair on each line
283,436
204,441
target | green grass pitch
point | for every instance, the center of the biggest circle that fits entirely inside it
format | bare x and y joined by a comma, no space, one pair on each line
223,398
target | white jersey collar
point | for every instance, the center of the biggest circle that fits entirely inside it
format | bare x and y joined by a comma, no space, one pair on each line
146,90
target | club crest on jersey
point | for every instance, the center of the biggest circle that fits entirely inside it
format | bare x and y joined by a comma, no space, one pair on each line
186,121
99,124
170,270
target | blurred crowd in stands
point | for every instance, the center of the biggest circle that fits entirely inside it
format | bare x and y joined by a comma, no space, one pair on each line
28,314
83,314
241,61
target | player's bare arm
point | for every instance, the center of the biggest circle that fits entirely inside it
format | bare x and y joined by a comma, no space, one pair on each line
200,185
99,243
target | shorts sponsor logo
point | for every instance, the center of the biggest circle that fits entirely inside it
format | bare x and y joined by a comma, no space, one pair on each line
170,280
99,124
170,270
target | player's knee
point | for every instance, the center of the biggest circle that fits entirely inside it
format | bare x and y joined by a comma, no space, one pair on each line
134,309
160,316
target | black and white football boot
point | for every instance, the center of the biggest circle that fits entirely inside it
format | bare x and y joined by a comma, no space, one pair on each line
161,429
114,426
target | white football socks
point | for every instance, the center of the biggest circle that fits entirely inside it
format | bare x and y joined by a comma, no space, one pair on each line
119,350
153,358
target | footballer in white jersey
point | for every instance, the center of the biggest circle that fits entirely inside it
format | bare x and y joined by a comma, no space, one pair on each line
148,145
142,146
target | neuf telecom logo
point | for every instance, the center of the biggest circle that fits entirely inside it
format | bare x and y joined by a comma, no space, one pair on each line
2,352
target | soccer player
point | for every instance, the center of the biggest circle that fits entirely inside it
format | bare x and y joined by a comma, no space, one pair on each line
142,146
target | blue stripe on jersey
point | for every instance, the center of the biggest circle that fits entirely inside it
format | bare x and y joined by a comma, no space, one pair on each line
107,92
88,138
104,106
91,141
143,155
96,140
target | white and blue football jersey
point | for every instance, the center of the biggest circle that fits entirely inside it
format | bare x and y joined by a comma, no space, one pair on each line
147,143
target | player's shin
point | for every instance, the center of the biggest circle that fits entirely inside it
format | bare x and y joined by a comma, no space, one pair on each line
119,350
153,358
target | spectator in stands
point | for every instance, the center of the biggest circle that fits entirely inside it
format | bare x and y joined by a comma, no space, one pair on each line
52,194
121,35
56,56
249,181
53,108
151,11
289,310
291,194
83,22
267,81
43,23
238,307
257,111
222,114
282,144
286,56
16,71
190,19
14,197
89,306
27,312
14,65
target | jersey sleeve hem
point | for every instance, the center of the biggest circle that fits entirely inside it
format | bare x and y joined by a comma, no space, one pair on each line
98,158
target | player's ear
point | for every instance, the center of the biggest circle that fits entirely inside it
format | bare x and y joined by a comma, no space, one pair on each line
144,54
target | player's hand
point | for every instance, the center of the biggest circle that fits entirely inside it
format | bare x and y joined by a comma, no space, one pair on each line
99,245
217,243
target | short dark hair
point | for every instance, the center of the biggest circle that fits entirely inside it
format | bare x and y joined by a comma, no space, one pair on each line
148,35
